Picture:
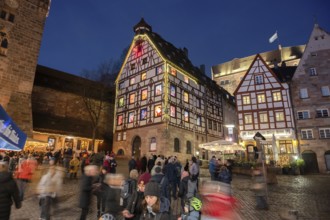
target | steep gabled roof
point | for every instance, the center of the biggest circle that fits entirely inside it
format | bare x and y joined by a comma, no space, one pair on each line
178,57
281,74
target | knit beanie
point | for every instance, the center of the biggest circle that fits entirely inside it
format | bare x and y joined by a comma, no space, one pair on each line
152,189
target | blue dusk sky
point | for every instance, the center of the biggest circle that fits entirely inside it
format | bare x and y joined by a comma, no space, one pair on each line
81,34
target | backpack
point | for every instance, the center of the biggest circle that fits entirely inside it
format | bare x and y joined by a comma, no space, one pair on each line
127,189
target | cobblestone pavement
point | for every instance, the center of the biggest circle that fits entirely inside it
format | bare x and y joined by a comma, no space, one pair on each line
308,194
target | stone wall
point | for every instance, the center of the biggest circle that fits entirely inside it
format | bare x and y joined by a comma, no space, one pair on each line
18,65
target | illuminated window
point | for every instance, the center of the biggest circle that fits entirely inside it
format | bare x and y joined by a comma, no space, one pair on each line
172,111
143,76
124,136
121,102
119,119
185,96
138,50
263,117
277,96
158,89
172,90
119,136
131,98
246,100
144,94
248,119
286,146
259,79
306,134
159,70
279,116
143,114
131,117
186,116
132,81
158,111
186,79
198,120
173,71
261,98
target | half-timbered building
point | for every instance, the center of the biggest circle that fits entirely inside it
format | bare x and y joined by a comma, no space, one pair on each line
264,106
164,104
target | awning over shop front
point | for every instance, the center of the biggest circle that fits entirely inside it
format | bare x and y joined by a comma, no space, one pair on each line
222,145
11,137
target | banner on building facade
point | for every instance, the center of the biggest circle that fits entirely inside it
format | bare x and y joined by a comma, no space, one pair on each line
11,137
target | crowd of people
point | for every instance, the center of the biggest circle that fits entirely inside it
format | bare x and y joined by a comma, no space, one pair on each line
154,184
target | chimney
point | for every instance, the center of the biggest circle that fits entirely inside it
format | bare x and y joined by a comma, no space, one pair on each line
185,50
202,68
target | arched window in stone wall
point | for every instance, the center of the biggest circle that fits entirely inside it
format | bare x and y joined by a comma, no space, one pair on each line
120,152
176,145
188,151
3,43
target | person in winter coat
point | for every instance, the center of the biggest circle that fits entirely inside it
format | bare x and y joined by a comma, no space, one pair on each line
132,181
191,209
162,180
90,172
9,192
74,167
99,193
114,201
224,175
183,188
134,207
48,188
212,168
259,189
155,207
131,164
171,174
112,164
151,163
144,162
13,162
25,173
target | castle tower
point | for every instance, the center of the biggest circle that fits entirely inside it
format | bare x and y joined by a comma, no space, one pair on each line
21,28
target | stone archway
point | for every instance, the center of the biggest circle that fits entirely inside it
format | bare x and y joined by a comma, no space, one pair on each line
136,147
310,159
327,159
